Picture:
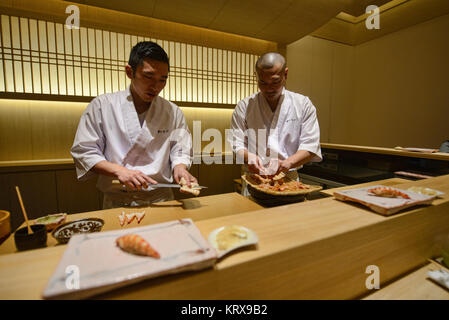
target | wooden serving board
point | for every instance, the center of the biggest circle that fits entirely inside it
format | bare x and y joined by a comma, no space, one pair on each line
383,205
271,193
92,263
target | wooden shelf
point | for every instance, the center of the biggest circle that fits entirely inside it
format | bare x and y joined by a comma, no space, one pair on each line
389,151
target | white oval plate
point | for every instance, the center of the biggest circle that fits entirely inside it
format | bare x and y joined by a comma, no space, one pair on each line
251,240
422,190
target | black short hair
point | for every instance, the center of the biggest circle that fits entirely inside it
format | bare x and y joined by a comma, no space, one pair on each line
147,50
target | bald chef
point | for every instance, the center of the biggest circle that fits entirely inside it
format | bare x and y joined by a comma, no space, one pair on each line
275,130
134,135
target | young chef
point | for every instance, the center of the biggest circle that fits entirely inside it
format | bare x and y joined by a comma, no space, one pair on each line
134,135
275,130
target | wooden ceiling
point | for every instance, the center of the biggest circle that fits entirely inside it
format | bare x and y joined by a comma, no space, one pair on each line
281,21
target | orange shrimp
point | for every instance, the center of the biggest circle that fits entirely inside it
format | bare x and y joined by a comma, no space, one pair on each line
388,192
135,244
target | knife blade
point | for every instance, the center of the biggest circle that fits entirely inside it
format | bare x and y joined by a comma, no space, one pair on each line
170,185
155,186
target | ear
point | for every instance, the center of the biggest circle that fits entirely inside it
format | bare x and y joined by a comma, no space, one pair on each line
285,73
129,71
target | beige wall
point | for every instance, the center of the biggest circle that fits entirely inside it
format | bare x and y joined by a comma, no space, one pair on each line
401,96
35,130
386,92
322,70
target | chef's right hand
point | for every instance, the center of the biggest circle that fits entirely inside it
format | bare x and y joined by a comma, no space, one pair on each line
134,179
255,164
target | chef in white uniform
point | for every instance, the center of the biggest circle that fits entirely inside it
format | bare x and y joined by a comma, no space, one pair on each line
275,130
135,136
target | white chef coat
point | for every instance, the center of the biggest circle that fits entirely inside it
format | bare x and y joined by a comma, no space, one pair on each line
293,126
109,129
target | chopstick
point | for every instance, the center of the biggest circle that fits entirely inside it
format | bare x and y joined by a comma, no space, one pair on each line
23,210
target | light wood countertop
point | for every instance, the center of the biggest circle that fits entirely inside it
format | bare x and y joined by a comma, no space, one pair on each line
195,208
45,162
379,150
386,182
312,250
22,163
389,151
414,286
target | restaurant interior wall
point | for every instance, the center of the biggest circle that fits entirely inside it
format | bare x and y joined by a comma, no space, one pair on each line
401,95
390,91
45,88
36,130
43,60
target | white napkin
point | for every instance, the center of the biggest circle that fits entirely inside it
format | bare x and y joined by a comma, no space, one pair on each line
440,276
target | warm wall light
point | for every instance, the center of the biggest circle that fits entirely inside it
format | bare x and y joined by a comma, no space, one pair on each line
44,57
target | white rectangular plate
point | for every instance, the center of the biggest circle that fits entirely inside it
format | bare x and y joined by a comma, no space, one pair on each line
103,266
383,205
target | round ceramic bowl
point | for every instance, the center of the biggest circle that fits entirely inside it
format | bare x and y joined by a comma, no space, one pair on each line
37,239
64,232
52,221
5,225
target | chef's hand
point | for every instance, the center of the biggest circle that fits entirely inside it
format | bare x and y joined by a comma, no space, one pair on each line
276,166
134,179
180,171
255,164
284,166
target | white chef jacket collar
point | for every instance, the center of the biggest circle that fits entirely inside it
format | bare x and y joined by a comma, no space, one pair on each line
281,99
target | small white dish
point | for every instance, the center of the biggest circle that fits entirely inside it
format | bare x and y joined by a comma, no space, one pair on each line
426,191
242,237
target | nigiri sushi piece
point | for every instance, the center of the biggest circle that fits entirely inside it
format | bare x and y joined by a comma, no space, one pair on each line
122,218
139,216
135,244
130,217
388,192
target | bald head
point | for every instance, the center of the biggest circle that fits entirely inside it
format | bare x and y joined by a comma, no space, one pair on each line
269,60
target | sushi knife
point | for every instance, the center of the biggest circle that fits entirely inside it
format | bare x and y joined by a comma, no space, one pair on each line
155,186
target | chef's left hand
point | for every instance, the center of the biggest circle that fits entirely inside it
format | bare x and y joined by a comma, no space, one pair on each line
180,171
276,166
284,166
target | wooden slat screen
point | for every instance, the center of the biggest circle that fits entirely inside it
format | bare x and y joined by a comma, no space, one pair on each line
43,57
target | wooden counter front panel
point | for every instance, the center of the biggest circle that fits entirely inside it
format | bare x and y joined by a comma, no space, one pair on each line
38,191
312,250
331,268
76,196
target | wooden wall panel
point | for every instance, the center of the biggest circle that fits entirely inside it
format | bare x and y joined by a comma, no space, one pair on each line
76,196
35,130
209,118
53,126
219,178
5,201
401,93
38,190
15,131
391,91
311,73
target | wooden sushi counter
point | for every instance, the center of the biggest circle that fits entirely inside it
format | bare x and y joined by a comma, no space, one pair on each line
318,249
